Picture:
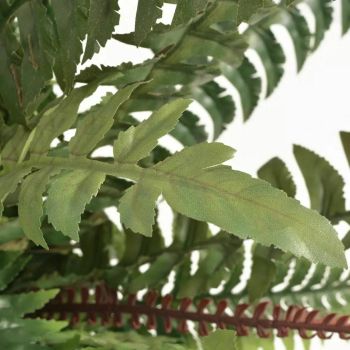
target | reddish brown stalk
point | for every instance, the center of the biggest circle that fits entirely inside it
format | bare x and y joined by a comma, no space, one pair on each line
72,304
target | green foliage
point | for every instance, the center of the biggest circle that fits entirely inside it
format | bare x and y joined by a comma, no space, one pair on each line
54,191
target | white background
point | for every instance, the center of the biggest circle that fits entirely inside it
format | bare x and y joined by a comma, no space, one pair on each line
309,108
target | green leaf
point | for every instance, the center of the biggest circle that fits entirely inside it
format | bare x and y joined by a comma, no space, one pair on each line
262,276
37,39
146,16
95,124
10,85
158,272
248,84
277,174
271,54
345,12
345,139
191,159
29,332
18,305
228,48
67,198
225,197
322,10
187,10
220,340
188,130
30,204
8,184
137,142
9,231
323,182
137,206
59,119
220,108
16,147
12,263
68,20
103,17
299,32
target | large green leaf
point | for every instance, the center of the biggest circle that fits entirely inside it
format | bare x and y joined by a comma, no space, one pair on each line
137,142
68,196
324,183
103,17
95,124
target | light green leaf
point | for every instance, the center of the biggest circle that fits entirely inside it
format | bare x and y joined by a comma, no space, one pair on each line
251,208
323,182
137,142
146,16
95,124
220,340
277,174
103,17
68,196
30,204
59,119
200,156
137,206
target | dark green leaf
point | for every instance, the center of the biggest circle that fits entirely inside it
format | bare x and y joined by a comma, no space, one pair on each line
277,174
103,17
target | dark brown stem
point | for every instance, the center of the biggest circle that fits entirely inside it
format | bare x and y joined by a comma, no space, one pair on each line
108,309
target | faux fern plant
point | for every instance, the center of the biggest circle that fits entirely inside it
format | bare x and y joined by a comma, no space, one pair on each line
54,192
